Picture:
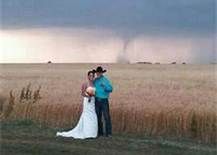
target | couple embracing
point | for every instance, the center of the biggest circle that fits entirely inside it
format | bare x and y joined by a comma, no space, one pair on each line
95,94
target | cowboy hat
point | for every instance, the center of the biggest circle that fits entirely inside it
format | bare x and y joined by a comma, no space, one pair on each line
99,69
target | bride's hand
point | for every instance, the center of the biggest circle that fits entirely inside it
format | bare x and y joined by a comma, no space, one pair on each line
89,95
86,94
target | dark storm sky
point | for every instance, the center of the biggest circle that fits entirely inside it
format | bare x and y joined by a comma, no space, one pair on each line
137,30
133,16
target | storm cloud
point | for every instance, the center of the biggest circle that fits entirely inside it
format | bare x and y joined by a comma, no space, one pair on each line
137,16
129,30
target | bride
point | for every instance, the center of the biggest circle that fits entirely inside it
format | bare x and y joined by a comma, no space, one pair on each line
87,126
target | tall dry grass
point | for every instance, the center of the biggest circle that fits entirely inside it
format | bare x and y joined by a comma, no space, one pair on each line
7,109
197,123
172,101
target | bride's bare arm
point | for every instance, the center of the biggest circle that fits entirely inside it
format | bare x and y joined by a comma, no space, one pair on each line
83,90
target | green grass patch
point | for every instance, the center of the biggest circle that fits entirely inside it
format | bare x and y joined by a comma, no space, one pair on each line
24,137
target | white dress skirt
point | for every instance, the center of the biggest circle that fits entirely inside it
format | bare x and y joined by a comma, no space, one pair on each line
87,126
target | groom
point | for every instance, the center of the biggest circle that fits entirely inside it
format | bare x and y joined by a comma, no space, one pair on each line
103,89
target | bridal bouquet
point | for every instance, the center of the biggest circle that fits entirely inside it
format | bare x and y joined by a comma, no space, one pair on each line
90,91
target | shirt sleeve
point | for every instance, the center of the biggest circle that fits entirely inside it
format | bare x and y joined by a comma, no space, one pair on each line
108,86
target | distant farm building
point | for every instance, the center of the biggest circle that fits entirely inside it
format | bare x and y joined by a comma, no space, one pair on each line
144,62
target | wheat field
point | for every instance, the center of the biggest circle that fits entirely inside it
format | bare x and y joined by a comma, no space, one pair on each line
155,100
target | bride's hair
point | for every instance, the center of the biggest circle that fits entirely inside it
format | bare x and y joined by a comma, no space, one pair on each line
91,71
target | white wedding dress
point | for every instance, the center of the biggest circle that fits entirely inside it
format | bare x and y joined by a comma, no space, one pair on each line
87,126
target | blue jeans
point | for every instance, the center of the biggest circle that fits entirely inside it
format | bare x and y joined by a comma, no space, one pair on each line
102,108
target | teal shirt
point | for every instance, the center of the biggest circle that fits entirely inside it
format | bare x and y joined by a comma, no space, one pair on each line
103,87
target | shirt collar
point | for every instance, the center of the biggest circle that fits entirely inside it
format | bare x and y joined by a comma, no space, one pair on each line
99,77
